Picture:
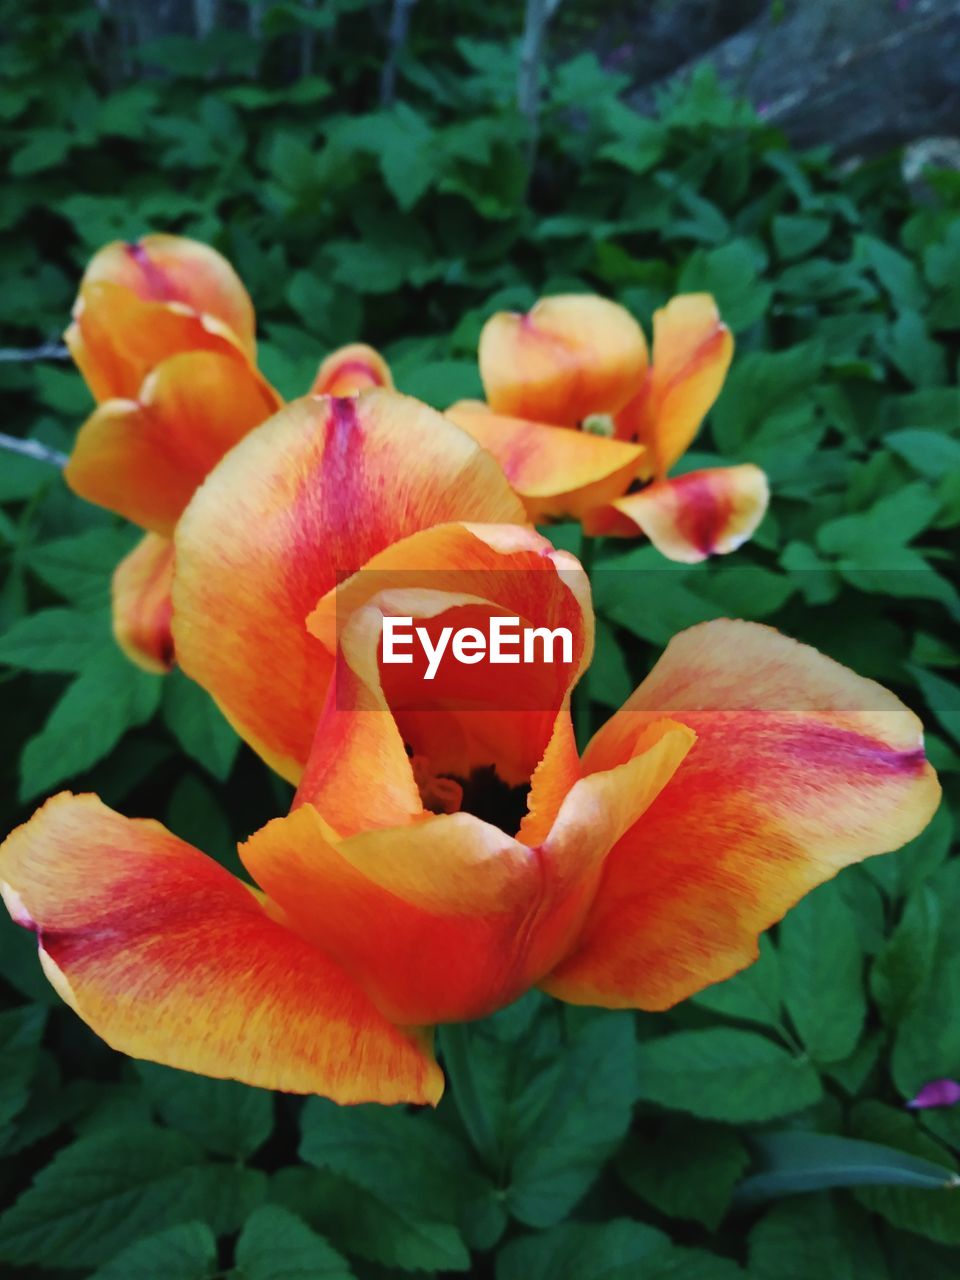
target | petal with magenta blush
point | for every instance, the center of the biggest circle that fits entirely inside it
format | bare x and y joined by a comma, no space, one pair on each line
692,350
350,369
141,604
557,472
144,458
800,768
168,957
571,356
116,338
165,268
302,502
692,516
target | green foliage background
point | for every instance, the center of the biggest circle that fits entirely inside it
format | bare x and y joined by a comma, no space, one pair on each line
597,1145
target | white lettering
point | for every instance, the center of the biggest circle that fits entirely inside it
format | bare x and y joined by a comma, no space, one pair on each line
498,639
392,637
469,645
436,651
547,637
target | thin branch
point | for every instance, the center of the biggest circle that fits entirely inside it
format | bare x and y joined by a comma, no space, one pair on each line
33,449
537,17
397,39
23,355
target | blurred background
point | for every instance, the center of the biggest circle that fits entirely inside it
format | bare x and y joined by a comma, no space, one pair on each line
395,171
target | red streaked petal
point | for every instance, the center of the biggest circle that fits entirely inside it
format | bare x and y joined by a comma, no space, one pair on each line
800,768
693,516
142,609
144,458
558,472
168,957
569,357
165,268
303,501
353,368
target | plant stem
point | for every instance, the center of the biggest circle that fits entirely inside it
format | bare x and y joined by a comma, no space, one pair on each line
33,449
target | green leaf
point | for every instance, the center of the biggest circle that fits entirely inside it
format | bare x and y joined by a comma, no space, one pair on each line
109,697
617,1250
906,963
725,1074
932,454
821,965
909,346
934,1214
80,568
941,696
276,1245
815,1236
224,1116
21,1031
185,1252
752,995
586,1102
686,1169
416,1170
794,235
199,725
730,274
791,1162
898,275
105,1191
64,640
440,382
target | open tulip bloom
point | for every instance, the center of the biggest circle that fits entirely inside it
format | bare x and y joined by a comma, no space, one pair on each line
587,426
448,847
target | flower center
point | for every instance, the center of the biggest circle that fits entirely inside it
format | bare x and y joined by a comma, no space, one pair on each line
598,424
483,793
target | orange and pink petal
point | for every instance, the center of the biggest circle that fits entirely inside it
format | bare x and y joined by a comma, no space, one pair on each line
568,358
350,369
141,603
170,958
692,516
800,768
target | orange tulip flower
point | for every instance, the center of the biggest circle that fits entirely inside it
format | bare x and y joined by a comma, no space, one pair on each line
448,847
578,417
163,333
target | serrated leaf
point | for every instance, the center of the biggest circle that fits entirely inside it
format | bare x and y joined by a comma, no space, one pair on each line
725,1074
814,1236
80,568
222,1115
686,1169
105,1191
821,967
276,1245
752,995
184,1252
64,640
906,963
199,725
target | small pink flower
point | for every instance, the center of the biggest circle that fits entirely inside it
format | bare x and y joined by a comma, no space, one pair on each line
938,1093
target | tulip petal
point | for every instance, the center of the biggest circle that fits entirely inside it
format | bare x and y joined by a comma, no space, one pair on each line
116,338
300,503
448,918
570,357
558,472
165,268
692,350
691,517
168,957
466,717
353,368
800,768
142,609
144,458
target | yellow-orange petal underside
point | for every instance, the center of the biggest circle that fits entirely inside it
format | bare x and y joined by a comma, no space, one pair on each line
800,768
569,357
116,339
144,458
165,268
141,603
353,368
690,517
448,918
302,502
692,350
557,472
169,957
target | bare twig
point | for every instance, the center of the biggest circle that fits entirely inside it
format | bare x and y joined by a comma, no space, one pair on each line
397,39
536,20
23,355
33,449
